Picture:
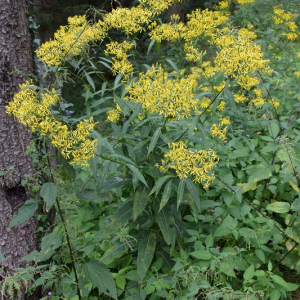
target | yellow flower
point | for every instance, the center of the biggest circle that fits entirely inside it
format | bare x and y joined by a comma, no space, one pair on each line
198,164
33,109
290,36
161,93
221,105
157,6
224,121
120,64
297,74
131,21
247,82
70,41
217,132
259,101
274,103
242,2
240,98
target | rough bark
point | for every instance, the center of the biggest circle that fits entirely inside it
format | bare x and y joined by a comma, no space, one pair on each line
15,54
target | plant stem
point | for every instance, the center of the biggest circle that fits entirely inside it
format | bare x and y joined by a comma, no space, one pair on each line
67,235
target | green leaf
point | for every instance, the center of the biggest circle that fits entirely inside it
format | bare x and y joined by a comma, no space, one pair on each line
120,218
51,241
114,183
49,193
136,110
88,195
222,231
289,287
297,268
173,65
122,104
194,192
114,252
164,219
249,273
121,281
274,129
159,183
260,254
279,207
100,276
154,140
275,295
123,159
26,211
180,191
140,201
150,46
90,80
193,125
258,173
2,258
209,241
145,253
137,173
202,254
166,195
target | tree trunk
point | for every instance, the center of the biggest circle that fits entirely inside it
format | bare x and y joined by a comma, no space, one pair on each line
15,64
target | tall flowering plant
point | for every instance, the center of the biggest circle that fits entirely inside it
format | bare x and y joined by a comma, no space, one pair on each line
174,197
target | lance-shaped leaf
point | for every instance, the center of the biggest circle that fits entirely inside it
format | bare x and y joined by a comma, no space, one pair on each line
145,253
194,192
164,220
180,191
114,252
193,125
154,140
120,218
140,201
159,183
100,276
166,195
137,173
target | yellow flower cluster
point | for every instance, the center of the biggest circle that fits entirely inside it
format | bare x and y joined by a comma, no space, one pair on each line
247,82
168,32
157,6
242,2
239,98
120,63
223,5
131,21
205,104
69,40
192,53
113,115
221,105
29,108
274,103
238,53
198,164
203,22
283,18
216,130
164,93
33,109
